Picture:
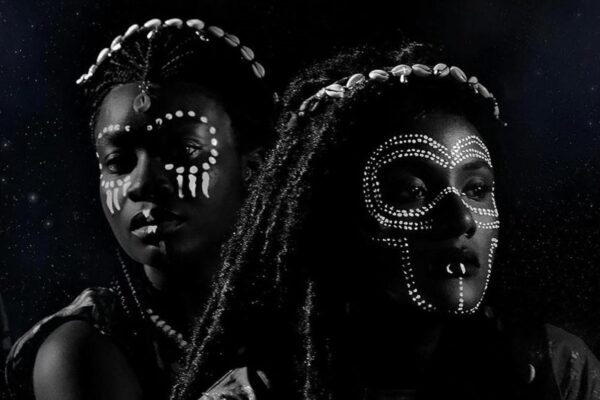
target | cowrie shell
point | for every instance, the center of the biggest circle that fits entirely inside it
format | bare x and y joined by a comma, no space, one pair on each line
174,22
215,30
401,69
131,30
458,74
335,90
247,53
258,69
232,40
421,70
354,79
102,55
152,23
379,75
441,70
195,23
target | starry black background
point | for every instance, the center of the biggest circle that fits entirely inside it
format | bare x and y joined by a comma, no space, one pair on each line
542,59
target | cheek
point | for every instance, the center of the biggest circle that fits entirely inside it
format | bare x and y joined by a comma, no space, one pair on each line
113,193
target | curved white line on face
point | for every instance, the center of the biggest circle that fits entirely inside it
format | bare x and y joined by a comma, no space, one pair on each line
416,219
403,147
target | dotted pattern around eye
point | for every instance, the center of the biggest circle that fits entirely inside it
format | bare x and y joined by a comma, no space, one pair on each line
186,184
392,217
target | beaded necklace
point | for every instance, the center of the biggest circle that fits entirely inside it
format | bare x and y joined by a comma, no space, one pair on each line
147,314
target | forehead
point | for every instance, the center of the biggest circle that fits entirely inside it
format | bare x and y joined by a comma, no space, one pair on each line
117,105
445,128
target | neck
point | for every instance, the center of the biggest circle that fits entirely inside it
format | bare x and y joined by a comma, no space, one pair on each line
395,340
181,291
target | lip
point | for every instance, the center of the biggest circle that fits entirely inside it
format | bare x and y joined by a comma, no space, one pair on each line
454,263
153,223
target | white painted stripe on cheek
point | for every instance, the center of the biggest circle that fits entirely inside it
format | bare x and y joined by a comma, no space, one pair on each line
205,183
109,203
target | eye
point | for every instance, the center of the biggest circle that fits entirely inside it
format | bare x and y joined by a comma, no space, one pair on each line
187,150
406,193
119,162
477,190
192,151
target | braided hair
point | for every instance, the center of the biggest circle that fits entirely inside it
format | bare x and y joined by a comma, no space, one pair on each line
280,294
209,58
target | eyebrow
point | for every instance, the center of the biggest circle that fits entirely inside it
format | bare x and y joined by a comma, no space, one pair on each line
476,164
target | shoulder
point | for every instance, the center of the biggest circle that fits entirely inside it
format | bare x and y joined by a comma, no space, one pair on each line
576,368
97,306
76,359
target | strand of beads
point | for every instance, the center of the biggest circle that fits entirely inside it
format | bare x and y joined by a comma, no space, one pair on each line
203,32
167,330
147,313
400,72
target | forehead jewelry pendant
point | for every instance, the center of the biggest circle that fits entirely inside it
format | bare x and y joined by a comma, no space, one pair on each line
142,101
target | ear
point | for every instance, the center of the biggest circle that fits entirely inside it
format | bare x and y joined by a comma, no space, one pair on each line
252,161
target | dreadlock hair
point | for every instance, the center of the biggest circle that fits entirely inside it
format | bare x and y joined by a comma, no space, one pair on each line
182,54
281,290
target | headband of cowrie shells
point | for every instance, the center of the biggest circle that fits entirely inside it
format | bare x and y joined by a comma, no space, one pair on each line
401,72
153,25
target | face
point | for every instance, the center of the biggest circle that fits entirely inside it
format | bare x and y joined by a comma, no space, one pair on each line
431,194
170,173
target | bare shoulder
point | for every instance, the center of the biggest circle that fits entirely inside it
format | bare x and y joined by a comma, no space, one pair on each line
77,362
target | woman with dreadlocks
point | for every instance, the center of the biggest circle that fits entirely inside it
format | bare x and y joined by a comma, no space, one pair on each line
181,114
360,262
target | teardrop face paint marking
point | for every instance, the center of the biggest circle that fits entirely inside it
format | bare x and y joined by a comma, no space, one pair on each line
116,199
192,184
109,200
205,184
180,186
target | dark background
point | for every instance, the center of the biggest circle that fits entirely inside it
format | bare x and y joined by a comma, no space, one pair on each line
541,59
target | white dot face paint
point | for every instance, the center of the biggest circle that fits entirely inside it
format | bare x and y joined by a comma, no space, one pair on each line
187,183
405,226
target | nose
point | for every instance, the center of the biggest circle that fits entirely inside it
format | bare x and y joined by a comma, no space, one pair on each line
454,218
149,180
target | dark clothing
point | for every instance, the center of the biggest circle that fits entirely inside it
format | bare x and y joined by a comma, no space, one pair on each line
566,370
102,308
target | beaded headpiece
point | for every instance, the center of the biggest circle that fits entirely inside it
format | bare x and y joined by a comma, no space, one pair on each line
402,73
203,32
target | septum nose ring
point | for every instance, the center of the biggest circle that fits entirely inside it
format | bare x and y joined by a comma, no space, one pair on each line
453,269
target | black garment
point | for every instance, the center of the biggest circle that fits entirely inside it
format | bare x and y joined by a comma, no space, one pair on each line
102,308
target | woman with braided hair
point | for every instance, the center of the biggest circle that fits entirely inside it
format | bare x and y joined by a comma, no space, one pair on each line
360,262
180,117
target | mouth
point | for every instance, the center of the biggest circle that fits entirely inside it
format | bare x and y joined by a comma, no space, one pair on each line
152,224
454,263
